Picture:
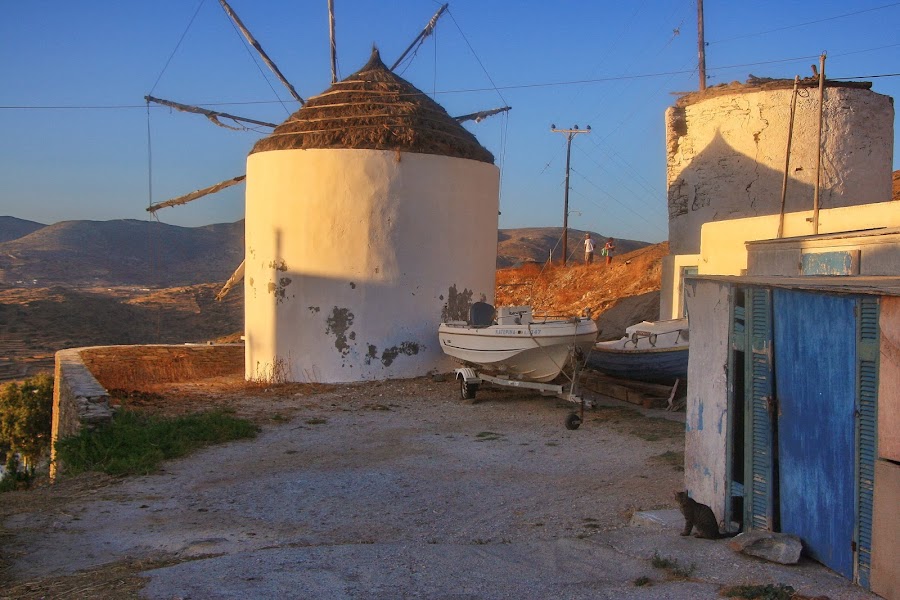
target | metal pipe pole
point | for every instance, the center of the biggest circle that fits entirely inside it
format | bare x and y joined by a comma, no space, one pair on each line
701,46
333,43
787,156
815,217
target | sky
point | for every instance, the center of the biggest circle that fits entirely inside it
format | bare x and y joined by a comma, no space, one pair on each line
77,140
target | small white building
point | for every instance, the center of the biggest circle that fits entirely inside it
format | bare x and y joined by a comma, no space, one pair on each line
371,215
793,408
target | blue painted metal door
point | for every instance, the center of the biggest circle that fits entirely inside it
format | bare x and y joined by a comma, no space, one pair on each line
816,382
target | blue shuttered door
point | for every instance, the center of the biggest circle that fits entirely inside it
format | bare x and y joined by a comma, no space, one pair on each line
759,492
815,339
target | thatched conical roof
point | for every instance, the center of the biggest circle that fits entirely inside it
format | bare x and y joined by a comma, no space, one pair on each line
375,109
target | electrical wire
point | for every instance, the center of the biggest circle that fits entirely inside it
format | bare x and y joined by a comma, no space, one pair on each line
786,27
617,201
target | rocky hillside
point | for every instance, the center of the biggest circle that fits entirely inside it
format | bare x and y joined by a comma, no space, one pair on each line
620,294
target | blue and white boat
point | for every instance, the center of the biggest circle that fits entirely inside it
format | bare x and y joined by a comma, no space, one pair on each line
650,351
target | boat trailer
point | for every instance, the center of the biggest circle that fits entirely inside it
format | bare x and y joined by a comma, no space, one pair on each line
470,380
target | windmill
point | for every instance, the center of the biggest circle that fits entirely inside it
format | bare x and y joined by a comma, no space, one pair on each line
217,117
371,217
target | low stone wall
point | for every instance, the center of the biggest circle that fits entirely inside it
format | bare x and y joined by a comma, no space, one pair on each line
83,376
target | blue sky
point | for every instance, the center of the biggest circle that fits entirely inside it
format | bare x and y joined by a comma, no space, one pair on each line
59,163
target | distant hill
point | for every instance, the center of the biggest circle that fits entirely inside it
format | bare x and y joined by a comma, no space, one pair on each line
147,253
122,252
896,186
533,244
12,228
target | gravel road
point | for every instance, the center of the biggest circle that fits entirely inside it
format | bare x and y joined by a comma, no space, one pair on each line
388,490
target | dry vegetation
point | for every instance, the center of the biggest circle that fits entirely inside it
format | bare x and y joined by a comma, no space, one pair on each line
552,289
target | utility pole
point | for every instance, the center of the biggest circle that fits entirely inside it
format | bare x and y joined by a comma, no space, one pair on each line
570,133
701,46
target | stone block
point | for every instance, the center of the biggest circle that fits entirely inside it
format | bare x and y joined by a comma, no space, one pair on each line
775,547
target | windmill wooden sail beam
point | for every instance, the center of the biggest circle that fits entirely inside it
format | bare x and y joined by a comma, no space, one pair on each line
235,277
262,53
197,194
482,115
212,115
429,29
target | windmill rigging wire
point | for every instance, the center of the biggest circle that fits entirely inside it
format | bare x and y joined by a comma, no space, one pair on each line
475,54
255,62
178,45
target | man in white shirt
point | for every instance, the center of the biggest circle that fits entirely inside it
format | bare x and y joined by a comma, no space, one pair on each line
588,249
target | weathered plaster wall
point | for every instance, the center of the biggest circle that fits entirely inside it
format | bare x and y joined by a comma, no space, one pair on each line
83,376
670,300
723,247
888,388
353,256
725,156
706,424
885,576
868,253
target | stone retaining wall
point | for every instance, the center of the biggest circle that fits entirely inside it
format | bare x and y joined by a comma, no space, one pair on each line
83,376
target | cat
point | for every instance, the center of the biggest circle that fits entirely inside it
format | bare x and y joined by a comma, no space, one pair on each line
698,516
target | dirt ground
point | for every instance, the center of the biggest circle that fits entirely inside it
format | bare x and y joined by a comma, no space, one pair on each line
394,489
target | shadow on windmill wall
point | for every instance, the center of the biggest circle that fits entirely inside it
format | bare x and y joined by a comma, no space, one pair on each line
720,183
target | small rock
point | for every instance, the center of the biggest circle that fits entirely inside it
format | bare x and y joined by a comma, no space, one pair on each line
439,377
775,547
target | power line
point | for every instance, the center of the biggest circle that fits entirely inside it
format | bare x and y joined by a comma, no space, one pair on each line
619,202
823,20
621,183
507,87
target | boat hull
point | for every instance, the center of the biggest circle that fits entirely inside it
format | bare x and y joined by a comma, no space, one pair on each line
663,365
650,351
536,352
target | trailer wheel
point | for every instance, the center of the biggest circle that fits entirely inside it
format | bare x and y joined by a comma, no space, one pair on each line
467,390
573,421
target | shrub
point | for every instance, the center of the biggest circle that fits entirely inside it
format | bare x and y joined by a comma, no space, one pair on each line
26,412
135,443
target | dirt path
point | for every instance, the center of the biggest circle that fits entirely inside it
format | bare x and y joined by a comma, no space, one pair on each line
383,490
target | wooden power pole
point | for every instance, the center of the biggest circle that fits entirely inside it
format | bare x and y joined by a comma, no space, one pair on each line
570,133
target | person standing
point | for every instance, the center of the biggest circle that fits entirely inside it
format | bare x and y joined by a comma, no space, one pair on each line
588,249
608,249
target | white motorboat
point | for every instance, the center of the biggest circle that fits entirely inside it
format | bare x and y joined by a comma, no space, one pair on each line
517,345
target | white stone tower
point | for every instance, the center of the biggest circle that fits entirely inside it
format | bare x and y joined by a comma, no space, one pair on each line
371,215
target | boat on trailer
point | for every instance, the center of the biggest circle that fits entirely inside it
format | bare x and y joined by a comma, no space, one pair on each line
517,349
